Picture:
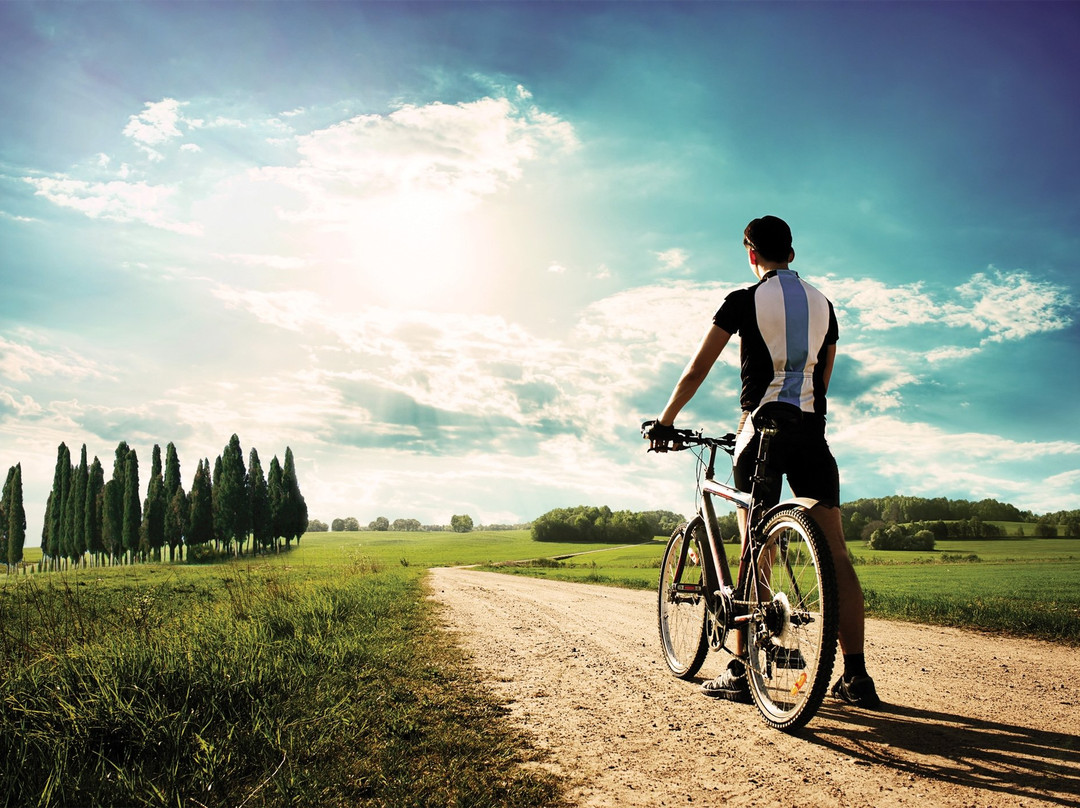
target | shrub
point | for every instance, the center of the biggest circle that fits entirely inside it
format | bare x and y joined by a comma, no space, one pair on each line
895,537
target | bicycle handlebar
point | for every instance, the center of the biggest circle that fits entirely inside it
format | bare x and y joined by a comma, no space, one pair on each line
661,436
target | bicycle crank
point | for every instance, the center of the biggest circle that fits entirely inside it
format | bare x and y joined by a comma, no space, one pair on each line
720,618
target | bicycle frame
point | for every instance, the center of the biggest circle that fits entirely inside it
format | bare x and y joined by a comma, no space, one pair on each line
716,571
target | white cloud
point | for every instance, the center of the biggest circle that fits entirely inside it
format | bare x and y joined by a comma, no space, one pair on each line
116,201
269,261
1010,306
667,320
21,362
454,152
876,306
949,352
221,122
292,310
927,445
21,406
14,218
924,460
673,260
159,122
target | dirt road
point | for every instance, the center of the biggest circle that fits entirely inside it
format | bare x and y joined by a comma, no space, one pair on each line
974,720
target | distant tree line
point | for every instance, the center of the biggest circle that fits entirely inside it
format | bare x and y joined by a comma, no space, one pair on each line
232,508
586,523
950,518
460,523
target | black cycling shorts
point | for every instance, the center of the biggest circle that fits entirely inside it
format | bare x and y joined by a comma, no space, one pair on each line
799,452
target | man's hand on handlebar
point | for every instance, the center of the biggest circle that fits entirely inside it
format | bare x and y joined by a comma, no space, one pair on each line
661,437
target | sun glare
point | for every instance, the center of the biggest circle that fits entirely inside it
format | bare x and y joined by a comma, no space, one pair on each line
409,251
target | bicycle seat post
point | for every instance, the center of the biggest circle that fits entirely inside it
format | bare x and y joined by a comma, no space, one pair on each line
760,478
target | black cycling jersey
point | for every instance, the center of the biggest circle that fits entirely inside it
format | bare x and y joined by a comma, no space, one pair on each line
785,325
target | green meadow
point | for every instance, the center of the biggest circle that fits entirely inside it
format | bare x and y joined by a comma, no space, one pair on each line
319,676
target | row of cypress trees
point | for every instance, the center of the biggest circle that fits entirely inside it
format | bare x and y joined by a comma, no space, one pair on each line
12,518
231,506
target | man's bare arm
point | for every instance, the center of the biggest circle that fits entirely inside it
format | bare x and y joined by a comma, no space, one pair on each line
695,372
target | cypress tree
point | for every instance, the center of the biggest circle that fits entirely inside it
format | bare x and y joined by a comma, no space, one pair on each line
201,511
68,541
259,503
95,502
45,527
296,513
112,512
155,462
231,496
220,525
77,508
53,545
15,516
154,516
132,518
276,495
176,521
153,526
172,472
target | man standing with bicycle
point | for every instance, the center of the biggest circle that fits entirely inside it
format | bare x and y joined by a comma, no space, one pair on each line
788,335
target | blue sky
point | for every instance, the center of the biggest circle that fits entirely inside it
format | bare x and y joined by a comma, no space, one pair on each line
454,254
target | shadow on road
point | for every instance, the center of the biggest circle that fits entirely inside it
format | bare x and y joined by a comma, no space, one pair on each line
969,752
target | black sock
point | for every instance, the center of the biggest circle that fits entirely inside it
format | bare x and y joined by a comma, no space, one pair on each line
854,665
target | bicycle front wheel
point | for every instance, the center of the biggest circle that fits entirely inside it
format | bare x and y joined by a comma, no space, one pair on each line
791,641
682,608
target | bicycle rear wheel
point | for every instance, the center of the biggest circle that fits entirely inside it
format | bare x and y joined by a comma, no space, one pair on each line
791,641
682,611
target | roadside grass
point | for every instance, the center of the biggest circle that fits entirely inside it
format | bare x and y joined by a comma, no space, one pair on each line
314,677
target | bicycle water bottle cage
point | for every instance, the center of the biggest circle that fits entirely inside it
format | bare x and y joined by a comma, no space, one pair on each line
776,415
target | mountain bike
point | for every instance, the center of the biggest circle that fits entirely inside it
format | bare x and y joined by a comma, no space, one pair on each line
785,598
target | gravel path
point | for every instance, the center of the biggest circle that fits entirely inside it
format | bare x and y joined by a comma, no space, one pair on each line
974,720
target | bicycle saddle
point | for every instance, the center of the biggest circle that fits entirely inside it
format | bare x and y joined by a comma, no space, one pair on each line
776,415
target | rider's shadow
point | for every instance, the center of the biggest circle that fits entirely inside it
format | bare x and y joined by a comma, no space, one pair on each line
957,749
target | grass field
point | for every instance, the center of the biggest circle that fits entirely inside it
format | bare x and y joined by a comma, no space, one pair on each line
320,677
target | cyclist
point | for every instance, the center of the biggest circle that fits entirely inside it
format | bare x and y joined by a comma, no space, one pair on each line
788,337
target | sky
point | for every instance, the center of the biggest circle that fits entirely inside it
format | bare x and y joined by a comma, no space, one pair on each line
453,254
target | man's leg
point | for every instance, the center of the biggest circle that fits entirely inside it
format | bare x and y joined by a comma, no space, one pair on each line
854,686
852,607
